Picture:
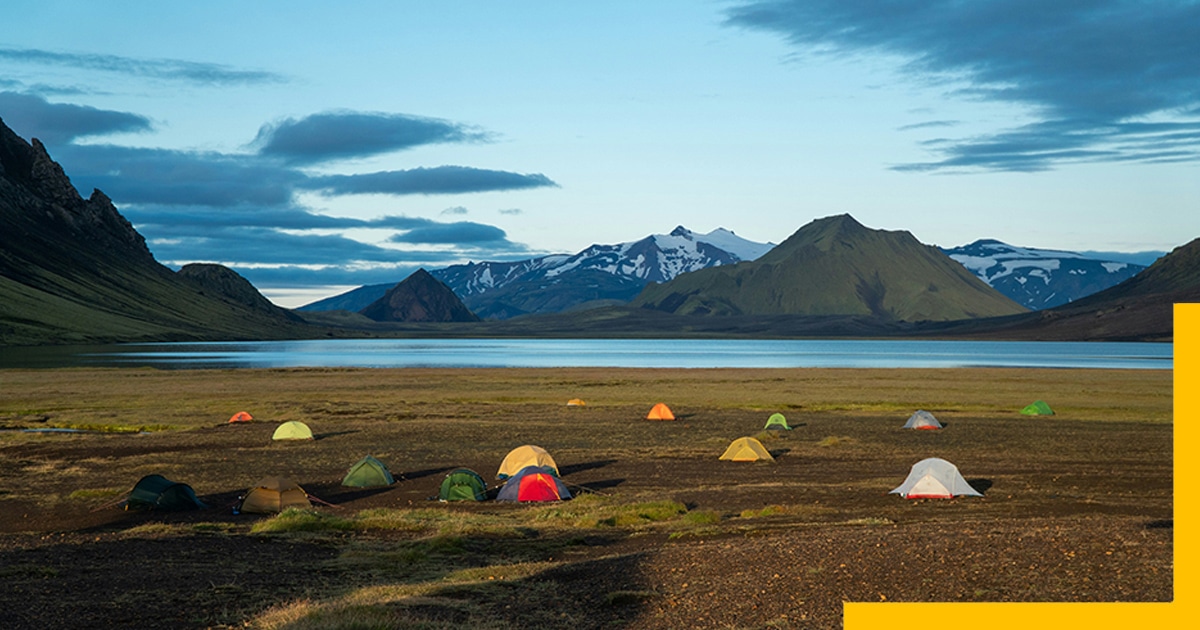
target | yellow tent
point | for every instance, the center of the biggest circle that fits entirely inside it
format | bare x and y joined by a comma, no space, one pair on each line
746,449
294,430
274,494
660,412
522,456
576,402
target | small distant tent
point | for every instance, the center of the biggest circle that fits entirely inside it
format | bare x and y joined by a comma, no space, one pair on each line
660,412
1038,408
274,494
155,492
368,473
777,423
922,419
934,478
576,402
463,484
747,449
534,483
241,416
522,456
294,430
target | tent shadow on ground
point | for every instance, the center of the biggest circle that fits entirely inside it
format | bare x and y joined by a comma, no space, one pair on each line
417,474
596,486
981,485
322,436
574,468
777,452
357,493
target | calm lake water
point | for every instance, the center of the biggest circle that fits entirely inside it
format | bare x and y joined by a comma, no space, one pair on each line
660,353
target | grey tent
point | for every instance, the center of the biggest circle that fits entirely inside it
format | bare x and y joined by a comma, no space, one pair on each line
922,420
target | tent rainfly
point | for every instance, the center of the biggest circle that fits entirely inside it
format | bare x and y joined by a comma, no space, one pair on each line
155,492
534,483
273,494
1038,408
463,484
294,430
934,478
747,449
522,456
368,473
241,416
922,420
660,411
777,423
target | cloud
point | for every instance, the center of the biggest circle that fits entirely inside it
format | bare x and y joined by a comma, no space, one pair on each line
169,69
59,123
463,232
455,210
929,125
511,211
429,181
347,134
1088,71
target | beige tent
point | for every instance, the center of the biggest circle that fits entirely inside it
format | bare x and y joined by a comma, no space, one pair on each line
934,478
660,412
294,430
522,456
274,494
747,449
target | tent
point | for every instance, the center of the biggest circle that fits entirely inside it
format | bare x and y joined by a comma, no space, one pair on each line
660,412
934,478
1038,408
522,456
576,402
777,422
294,430
367,473
534,483
155,492
463,484
746,449
273,494
922,419
241,416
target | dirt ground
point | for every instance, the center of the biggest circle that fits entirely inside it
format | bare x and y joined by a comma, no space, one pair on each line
1076,506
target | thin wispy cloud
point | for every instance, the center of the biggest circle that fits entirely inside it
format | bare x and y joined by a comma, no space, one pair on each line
61,123
165,69
346,134
438,180
455,210
1090,72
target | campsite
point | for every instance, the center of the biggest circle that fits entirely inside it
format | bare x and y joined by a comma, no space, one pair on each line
659,532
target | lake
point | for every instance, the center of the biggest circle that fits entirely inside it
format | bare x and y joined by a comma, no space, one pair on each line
652,353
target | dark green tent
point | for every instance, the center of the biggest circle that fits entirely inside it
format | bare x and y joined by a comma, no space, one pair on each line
1038,408
368,472
463,485
155,492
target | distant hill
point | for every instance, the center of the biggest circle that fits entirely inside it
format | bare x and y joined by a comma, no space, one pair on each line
598,275
73,270
419,298
836,266
1041,278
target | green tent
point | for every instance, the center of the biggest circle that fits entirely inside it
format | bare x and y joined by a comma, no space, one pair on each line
463,485
367,473
1038,408
155,492
777,421
294,430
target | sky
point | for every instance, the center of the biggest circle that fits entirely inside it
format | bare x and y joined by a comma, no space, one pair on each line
314,148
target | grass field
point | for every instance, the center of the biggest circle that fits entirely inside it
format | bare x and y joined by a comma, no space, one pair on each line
1077,506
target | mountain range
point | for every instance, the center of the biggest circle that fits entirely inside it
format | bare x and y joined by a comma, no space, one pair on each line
598,275
1041,278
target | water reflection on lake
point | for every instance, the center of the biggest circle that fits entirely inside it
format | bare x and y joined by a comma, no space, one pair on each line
654,353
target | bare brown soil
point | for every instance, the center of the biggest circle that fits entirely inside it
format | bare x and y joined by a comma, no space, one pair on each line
1077,507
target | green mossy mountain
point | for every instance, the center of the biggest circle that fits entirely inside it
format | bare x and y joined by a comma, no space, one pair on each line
74,271
836,266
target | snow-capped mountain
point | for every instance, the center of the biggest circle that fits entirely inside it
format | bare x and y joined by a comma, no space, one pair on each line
1040,278
601,272
559,282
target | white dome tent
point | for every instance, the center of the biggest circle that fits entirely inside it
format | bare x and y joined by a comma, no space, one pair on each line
934,478
922,420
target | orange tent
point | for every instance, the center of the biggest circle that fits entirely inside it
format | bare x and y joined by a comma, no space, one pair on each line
576,402
660,412
241,416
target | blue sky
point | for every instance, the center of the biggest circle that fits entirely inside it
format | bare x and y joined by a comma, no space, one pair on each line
314,148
